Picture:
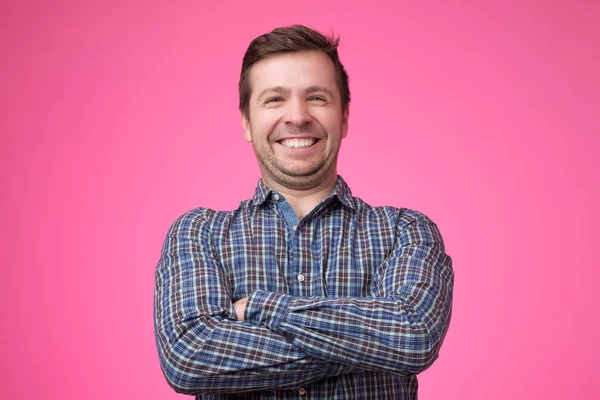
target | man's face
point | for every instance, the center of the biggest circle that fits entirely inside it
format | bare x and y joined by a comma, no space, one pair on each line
296,122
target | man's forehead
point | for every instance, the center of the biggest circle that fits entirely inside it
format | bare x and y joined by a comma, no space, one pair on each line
302,70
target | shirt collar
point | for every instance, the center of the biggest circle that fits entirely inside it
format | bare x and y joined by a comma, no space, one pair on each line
261,193
341,191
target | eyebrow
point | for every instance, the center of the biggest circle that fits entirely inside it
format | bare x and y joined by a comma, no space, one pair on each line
274,89
313,89
281,89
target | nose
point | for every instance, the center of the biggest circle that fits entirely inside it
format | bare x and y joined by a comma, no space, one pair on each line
297,113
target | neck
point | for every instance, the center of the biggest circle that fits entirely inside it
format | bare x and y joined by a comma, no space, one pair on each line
303,201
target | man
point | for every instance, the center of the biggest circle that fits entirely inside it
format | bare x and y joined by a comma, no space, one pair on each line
304,291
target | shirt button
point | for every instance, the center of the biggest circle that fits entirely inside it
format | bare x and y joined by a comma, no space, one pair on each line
302,391
295,227
301,278
276,197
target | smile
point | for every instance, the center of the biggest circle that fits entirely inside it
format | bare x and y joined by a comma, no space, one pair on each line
298,143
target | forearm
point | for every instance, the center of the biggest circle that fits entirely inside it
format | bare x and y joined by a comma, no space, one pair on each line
381,334
236,357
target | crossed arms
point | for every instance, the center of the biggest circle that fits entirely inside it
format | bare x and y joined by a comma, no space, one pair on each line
286,341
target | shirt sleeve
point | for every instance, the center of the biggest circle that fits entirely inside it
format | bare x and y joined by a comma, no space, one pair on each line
202,346
398,330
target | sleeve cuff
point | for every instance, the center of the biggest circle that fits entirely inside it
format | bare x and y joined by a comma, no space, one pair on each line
267,309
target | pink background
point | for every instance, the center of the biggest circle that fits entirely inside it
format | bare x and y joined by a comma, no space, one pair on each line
118,116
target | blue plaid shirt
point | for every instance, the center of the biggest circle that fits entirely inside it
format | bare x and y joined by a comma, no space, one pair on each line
351,302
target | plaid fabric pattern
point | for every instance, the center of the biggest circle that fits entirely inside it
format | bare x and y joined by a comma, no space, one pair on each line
351,302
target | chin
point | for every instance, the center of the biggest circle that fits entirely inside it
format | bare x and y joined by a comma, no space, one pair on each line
301,180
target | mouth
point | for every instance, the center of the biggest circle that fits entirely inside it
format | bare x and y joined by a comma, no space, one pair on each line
298,143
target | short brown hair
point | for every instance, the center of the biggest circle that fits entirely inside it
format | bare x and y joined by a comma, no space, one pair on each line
287,40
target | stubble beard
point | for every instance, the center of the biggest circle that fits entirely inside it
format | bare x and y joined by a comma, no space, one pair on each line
274,171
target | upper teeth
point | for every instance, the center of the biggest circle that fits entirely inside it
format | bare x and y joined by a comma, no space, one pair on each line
298,143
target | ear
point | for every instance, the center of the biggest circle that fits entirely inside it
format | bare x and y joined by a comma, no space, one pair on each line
246,127
345,117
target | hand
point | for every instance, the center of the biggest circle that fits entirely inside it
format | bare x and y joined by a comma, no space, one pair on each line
240,308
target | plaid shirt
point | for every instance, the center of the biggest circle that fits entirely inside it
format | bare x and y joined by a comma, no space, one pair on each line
351,302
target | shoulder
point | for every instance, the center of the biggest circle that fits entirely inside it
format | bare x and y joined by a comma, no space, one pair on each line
201,218
405,222
397,215
208,219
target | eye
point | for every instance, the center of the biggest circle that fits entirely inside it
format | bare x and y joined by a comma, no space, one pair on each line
273,100
316,98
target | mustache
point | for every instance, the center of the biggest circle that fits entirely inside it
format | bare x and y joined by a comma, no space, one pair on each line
290,130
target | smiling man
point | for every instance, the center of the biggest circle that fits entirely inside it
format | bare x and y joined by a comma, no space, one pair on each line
304,291
296,121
